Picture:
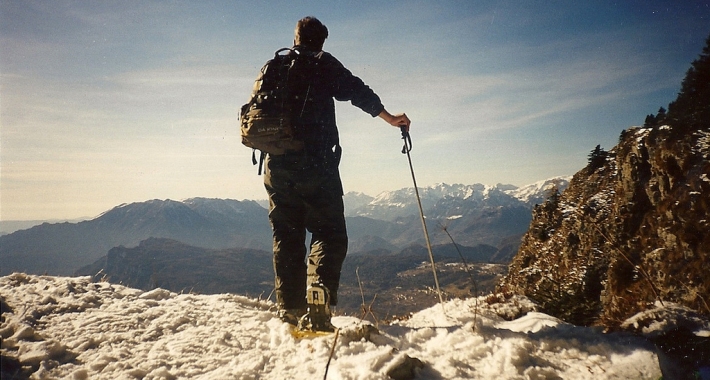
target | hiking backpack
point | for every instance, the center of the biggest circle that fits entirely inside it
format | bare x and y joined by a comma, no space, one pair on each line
278,95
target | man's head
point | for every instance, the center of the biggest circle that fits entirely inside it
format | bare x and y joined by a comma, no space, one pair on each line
310,33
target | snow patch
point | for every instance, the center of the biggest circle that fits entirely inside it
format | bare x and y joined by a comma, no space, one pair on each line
66,327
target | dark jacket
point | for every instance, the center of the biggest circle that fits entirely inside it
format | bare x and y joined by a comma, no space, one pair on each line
323,79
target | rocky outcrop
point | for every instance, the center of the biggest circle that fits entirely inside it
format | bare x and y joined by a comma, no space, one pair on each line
632,228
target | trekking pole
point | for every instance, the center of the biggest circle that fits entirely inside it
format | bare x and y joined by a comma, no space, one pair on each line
405,150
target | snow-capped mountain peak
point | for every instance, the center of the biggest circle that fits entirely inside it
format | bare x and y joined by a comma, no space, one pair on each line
389,205
539,191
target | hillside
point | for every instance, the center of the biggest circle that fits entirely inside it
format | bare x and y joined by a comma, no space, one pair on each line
175,266
400,281
632,227
630,230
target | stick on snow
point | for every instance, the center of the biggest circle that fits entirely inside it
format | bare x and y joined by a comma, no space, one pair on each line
405,150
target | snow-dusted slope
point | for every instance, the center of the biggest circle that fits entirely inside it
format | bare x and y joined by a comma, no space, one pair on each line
72,328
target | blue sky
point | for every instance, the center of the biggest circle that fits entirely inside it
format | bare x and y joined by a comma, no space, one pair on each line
110,102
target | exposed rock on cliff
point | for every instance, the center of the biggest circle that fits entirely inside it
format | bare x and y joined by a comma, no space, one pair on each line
632,228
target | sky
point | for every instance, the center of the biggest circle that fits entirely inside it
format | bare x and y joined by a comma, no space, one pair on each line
111,102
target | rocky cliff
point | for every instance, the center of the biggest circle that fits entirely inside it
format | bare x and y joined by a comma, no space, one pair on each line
632,228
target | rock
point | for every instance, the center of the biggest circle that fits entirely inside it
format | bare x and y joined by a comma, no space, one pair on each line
11,369
406,368
624,234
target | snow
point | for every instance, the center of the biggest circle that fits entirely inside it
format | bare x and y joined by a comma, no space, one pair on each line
539,189
70,327
702,147
666,316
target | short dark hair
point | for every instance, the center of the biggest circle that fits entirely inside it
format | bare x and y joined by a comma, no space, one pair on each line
310,33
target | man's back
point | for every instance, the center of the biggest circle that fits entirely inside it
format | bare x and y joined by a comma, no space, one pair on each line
320,78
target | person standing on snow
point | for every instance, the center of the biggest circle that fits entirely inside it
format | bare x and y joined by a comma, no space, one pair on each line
304,187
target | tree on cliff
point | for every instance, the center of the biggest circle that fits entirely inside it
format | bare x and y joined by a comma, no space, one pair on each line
597,158
691,109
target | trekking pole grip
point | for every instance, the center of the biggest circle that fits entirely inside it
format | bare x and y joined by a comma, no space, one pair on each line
407,139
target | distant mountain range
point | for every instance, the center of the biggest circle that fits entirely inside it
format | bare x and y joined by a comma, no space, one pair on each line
449,201
9,226
62,248
472,214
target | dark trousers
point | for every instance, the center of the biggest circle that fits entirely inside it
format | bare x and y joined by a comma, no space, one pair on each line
305,196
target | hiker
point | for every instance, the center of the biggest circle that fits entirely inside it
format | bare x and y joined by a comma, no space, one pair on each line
304,187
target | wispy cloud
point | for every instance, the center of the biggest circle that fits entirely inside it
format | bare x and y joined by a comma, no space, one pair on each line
122,101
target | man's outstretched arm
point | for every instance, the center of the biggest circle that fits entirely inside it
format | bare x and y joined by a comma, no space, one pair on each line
395,120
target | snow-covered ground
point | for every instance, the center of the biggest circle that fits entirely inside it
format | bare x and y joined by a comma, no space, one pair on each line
70,327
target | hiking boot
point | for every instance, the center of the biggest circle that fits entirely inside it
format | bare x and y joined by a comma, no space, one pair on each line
318,316
319,324
292,316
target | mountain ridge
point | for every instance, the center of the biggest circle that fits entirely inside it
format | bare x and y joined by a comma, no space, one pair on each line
491,215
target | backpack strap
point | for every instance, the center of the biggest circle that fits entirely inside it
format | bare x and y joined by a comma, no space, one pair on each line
284,49
262,157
